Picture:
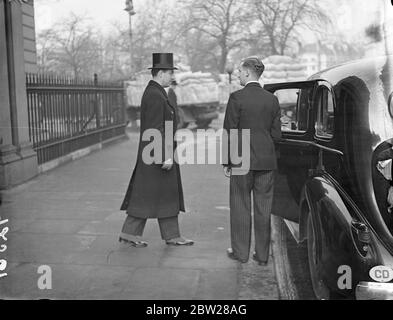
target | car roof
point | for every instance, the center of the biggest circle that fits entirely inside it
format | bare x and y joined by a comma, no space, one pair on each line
369,70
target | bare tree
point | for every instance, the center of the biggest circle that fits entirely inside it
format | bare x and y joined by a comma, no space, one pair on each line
200,51
73,47
207,32
153,31
224,21
282,20
45,51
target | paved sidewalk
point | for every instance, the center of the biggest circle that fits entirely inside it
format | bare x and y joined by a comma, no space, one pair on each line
69,219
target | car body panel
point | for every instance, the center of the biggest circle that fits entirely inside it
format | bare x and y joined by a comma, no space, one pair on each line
333,178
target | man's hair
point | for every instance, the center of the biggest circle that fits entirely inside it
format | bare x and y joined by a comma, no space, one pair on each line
254,65
154,72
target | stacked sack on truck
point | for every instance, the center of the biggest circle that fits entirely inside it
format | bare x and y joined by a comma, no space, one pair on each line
225,89
277,69
193,88
283,69
135,89
196,87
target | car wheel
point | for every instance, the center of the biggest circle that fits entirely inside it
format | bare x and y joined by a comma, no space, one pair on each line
321,291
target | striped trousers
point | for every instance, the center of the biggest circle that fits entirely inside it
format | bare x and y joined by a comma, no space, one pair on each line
169,227
261,185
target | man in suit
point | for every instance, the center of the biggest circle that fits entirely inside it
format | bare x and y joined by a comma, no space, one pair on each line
173,100
155,190
172,94
257,110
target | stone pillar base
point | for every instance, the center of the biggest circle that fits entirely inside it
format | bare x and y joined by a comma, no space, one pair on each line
17,165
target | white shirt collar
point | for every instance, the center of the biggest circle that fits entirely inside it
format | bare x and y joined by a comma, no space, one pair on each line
252,82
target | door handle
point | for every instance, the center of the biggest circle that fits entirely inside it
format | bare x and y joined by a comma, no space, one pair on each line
362,231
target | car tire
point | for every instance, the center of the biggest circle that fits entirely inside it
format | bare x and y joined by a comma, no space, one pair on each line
320,289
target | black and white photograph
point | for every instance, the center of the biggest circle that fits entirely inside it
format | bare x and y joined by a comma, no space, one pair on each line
215,152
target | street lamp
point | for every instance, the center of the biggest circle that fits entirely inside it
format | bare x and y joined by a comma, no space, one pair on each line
230,69
130,9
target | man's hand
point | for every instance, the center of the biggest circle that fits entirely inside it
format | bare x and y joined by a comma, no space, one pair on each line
168,164
227,172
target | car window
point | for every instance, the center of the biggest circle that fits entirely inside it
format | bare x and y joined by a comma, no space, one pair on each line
294,105
324,125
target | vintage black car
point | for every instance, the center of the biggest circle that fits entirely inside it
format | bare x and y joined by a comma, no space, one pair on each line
340,134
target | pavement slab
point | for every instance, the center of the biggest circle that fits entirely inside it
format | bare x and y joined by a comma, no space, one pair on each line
175,284
45,226
69,220
215,283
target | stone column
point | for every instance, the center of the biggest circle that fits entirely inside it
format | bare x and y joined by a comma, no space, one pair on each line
18,161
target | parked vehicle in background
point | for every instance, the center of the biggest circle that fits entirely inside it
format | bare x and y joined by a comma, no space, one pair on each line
336,167
197,98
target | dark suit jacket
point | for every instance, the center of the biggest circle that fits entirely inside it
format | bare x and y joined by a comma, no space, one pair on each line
256,109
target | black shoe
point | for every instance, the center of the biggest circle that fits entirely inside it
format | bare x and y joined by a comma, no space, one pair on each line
232,256
261,263
179,242
136,244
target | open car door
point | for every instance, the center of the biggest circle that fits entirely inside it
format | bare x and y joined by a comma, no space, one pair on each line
296,154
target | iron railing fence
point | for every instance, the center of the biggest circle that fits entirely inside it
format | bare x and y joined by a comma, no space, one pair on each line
67,114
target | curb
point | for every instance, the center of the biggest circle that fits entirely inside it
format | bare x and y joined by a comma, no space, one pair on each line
81,153
286,287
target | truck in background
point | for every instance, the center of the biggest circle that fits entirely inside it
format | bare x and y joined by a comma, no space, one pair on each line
197,98
202,96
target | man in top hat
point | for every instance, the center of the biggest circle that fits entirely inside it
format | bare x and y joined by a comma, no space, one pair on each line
155,190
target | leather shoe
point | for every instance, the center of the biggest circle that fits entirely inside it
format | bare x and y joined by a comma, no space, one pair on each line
232,256
261,263
179,242
134,243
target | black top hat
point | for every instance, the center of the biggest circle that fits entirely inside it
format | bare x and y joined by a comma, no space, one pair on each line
163,61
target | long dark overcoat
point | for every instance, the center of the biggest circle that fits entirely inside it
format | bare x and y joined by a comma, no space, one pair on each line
154,192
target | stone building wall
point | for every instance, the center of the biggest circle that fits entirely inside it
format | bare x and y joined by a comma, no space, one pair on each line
29,38
18,160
